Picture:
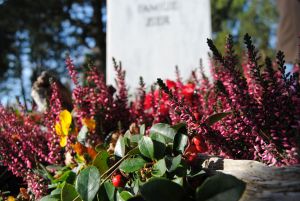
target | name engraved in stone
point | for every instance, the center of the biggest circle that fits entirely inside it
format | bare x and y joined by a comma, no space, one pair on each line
157,21
156,7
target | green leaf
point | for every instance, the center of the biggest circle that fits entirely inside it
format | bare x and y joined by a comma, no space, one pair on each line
56,191
173,162
135,138
124,196
159,168
100,147
161,189
127,138
220,187
179,126
82,135
159,144
165,130
120,147
52,168
142,129
106,192
146,147
133,151
69,193
68,176
132,165
136,198
87,183
136,186
49,198
180,142
178,180
216,117
101,161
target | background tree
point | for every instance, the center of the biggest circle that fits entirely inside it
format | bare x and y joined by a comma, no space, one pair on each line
37,34
238,17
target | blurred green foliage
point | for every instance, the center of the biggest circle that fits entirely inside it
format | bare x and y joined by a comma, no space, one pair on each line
238,17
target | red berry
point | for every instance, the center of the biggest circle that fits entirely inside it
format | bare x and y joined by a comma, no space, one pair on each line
199,144
196,140
201,149
191,157
118,181
191,149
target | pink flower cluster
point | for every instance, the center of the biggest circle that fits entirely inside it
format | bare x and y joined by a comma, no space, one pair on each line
23,145
264,105
28,140
94,99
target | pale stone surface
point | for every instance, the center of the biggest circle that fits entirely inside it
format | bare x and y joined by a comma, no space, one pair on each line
151,37
263,182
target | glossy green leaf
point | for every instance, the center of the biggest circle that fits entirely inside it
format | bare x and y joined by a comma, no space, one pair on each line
69,193
82,135
135,138
68,176
136,198
49,198
146,147
165,130
127,138
142,129
56,191
172,162
101,161
178,180
159,144
179,126
100,147
106,192
161,189
159,168
220,187
124,196
132,165
216,117
87,183
180,142
120,147
133,151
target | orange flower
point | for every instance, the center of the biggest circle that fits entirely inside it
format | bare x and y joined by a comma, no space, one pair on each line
15,137
92,152
24,193
90,123
79,148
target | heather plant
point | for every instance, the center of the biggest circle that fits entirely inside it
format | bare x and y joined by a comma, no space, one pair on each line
259,108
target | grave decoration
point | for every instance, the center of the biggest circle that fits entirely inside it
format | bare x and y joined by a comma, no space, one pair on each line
158,146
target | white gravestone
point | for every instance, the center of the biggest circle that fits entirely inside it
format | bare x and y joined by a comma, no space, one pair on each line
151,37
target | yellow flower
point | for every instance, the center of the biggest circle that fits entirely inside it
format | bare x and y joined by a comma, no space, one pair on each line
10,198
62,126
90,123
